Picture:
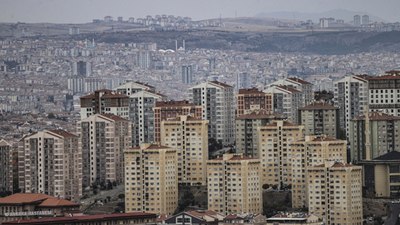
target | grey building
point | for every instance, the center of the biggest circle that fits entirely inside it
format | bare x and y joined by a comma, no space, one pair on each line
379,139
6,167
218,102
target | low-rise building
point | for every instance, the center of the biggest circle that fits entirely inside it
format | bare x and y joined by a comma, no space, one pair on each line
28,206
141,218
381,176
294,219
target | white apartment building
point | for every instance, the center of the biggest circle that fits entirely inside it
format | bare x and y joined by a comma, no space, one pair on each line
218,102
51,163
102,141
351,97
287,101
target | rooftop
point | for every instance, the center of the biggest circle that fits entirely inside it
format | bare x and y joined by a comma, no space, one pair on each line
85,218
41,199
378,116
318,105
250,91
63,133
220,84
298,80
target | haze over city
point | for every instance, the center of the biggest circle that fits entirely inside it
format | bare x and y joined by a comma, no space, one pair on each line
79,11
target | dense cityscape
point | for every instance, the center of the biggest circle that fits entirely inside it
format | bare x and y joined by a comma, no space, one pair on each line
98,128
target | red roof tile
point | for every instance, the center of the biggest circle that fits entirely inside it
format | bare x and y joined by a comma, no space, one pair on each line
298,80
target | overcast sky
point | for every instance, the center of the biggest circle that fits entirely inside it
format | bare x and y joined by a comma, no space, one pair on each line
76,11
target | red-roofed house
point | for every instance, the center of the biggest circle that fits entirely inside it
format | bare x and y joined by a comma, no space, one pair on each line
27,206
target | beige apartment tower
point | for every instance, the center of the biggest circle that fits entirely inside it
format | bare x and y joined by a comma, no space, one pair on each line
151,182
309,152
164,110
102,141
189,136
247,131
234,184
335,193
51,163
274,145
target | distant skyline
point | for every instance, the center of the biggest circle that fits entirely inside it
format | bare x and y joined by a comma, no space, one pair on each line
81,11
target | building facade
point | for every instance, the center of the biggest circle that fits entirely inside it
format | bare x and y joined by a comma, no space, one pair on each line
141,115
287,100
351,97
102,141
105,101
251,100
6,167
301,85
50,162
218,105
234,184
320,118
189,136
247,131
379,139
151,181
164,110
274,146
335,193
381,176
309,152
384,93
132,87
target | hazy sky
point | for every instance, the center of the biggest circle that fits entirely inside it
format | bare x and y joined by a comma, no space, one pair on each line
75,11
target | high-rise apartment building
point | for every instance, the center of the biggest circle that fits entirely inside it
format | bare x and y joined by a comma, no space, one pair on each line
351,97
50,162
6,166
247,131
102,141
141,114
164,110
379,138
320,118
306,88
132,87
217,102
151,181
189,136
384,93
335,193
287,100
104,102
253,100
309,152
274,146
187,74
234,184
